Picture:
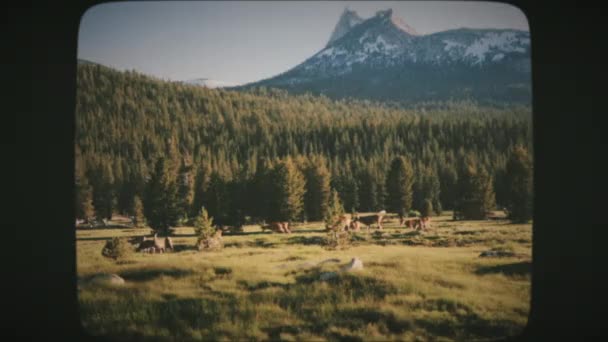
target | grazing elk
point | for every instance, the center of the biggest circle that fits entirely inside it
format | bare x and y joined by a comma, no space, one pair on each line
343,223
373,219
280,227
355,225
155,244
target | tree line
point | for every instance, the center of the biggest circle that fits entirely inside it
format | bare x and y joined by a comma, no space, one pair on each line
263,154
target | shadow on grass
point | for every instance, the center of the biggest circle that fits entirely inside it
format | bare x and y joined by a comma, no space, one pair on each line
107,238
355,318
149,274
303,240
472,326
259,242
513,269
261,285
184,248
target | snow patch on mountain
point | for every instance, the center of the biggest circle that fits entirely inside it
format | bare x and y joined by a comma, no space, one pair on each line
449,44
504,41
498,57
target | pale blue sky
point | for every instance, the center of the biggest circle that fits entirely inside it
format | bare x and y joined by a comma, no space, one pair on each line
241,42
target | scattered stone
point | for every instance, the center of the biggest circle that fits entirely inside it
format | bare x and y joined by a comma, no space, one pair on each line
355,264
328,275
106,279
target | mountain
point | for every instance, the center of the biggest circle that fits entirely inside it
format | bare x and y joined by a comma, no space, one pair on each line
383,58
347,21
209,83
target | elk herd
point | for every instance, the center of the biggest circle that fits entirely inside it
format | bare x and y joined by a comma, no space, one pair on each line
152,244
346,222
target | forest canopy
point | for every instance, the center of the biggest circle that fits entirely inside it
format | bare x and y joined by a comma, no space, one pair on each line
220,147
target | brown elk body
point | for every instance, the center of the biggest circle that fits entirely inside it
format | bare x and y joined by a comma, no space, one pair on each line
155,244
373,219
281,227
343,224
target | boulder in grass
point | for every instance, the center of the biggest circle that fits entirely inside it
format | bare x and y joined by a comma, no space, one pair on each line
106,279
354,265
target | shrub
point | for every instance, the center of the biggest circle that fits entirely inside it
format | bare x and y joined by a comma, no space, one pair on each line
203,226
117,249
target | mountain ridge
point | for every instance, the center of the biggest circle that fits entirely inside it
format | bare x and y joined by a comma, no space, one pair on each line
379,49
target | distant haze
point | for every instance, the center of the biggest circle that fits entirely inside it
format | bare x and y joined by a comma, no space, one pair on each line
234,42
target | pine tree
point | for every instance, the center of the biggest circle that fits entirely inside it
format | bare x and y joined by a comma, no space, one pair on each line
317,190
476,191
399,182
263,189
84,197
334,209
218,199
519,173
203,226
138,212
160,201
288,194
427,208
368,192
201,186
103,192
185,187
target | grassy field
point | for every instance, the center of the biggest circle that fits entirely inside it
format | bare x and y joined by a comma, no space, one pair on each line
415,286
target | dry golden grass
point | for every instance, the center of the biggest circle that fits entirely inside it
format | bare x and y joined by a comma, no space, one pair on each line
265,286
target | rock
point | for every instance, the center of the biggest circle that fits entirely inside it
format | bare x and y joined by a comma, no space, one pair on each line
355,264
106,279
328,275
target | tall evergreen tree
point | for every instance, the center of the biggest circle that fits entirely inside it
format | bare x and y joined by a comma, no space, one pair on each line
218,199
84,199
103,191
368,191
476,191
160,201
138,212
201,186
427,208
448,183
185,187
288,194
335,209
317,190
399,182
519,173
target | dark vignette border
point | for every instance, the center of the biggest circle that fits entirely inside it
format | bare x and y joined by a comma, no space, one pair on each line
46,301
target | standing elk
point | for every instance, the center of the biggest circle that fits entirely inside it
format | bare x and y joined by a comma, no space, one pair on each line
343,223
373,219
154,244
279,227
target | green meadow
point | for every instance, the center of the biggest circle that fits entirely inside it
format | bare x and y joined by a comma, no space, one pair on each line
262,286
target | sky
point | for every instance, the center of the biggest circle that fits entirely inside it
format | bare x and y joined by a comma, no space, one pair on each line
240,42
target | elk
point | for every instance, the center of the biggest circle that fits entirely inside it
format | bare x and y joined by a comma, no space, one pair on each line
373,219
155,244
281,227
343,223
355,225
